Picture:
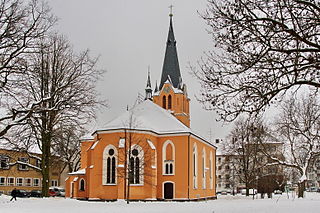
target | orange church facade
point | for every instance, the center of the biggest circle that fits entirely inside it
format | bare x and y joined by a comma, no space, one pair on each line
149,152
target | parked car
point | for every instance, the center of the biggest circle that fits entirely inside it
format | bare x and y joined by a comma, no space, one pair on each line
36,193
52,193
312,189
277,192
57,191
251,191
21,193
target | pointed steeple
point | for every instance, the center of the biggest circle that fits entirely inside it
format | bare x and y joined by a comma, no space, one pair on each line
156,89
171,63
148,81
148,87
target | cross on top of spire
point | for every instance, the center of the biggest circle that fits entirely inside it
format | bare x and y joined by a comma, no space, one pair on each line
171,6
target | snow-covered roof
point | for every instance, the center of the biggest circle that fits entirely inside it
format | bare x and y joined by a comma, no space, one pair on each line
87,137
148,116
79,172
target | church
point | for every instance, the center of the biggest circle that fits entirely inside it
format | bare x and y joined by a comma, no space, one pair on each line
149,152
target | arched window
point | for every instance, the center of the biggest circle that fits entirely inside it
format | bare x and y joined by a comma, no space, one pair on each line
195,166
169,102
164,102
136,165
82,185
109,165
168,156
203,168
211,170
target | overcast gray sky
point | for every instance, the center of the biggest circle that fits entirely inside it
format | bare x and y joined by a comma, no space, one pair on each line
129,36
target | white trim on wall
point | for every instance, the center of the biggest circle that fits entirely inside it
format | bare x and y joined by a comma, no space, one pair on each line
164,157
195,165
104,164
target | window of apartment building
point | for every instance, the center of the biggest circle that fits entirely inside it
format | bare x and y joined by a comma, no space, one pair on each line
19,181
10,181
2,181
54,182
219,176
219,167
227,185
227,167
219,160
28,181
4,162
36,182
227,158
23,166
227,177
38,163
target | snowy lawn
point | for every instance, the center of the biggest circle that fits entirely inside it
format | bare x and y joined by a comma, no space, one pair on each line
224,204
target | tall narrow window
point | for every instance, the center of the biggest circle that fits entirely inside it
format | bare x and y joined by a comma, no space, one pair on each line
111,167
136,165
168,154
203,168
211,170
110,163
164,102
169,102
195,166
82,186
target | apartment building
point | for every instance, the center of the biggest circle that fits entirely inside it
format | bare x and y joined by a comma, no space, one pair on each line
19,170
262,175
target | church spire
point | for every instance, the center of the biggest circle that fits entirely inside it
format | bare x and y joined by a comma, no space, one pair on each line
148,87
171,64
156,89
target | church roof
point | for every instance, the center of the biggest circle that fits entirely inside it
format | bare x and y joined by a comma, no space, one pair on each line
148,116
171,63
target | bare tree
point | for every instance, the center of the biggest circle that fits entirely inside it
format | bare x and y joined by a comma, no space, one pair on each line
248,143
66,145
22,24
299,126
136,156
63,82
243,152
261,49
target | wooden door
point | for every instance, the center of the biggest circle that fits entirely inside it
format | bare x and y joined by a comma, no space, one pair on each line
168,191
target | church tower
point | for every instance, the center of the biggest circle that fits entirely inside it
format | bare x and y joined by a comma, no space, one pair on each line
172,93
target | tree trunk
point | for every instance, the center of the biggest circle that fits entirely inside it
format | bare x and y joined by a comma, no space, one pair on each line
301,188
247,189
45,164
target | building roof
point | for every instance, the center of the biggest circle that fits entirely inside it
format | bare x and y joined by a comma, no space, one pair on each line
79,172
171,63
148,116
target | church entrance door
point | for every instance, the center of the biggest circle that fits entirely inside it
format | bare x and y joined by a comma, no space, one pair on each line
168,191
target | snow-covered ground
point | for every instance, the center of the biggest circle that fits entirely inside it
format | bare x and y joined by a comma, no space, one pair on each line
224,204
